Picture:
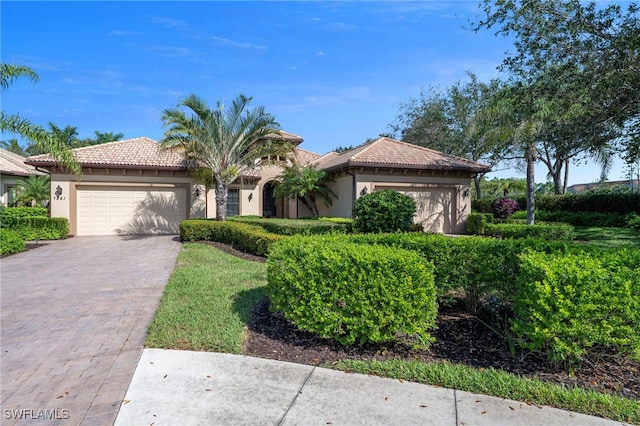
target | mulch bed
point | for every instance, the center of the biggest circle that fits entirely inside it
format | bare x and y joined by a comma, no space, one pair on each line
461,338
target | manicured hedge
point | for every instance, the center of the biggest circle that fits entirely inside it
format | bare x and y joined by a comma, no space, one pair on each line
580,218
579,305
542,231
353,293
476,266
587,202
11,212
10,242
38,227
294,226
245,237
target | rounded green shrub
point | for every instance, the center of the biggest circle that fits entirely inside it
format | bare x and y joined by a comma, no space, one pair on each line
353,293
10,242
384,211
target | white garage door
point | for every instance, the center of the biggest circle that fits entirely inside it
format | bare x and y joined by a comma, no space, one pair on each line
434,209
119,210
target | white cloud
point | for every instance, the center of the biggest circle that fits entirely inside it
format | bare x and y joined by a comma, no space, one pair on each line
227,42
123,33
168,22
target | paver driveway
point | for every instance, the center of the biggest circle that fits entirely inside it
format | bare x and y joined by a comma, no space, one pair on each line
74,318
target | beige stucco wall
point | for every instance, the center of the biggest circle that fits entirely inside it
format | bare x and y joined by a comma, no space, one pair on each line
65,205
455,186
250,200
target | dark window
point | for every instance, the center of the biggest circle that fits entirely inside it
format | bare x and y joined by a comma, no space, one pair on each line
233,202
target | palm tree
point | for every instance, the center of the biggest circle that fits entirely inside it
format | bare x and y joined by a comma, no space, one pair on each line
226,141
306,184
14,123
33,190
12,145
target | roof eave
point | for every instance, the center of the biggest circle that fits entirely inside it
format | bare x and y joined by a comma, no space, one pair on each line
354,164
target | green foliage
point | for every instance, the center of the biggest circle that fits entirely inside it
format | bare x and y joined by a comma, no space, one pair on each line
383,211
594,202
632,221
245,237
352,293
10,242
294,226
543,231
32,190
307,184
476,266
11,212
38,227
477,223
579,305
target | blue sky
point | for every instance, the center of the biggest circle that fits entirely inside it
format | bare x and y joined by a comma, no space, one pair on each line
332,72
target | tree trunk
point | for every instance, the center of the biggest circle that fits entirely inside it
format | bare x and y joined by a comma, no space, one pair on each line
531,162
221,199
476,182
566,176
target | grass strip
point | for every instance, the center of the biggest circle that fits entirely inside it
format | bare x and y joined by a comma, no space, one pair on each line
503,385
206,304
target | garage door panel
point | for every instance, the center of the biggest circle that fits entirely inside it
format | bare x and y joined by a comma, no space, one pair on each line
434,209
130,210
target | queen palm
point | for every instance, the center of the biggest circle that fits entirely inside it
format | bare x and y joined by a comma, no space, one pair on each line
227,141
307,184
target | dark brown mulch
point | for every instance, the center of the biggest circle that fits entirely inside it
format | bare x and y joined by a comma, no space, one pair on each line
461,338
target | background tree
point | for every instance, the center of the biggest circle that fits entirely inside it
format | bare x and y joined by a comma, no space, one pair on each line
224,140
12,145
15,124
307,184
584,62
463,120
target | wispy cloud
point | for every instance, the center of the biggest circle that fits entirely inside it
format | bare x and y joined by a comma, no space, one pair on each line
168,22
340,26
321,53
124,33
227,42
168,51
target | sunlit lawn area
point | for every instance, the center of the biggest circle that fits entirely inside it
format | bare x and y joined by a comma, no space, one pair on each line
608,237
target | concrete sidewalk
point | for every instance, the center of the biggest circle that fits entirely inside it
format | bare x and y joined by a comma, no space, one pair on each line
199,388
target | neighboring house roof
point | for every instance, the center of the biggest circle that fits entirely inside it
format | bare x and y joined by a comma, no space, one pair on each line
305,157
290,137
390,153
581,187
14,165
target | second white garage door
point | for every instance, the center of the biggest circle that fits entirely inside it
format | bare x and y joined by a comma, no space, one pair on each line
120,210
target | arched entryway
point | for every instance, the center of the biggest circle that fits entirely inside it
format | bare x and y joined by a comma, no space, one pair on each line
270,206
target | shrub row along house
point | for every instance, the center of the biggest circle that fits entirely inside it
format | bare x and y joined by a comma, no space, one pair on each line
134,187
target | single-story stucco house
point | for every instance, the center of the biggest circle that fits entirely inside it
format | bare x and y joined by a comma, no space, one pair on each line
12,170
133,187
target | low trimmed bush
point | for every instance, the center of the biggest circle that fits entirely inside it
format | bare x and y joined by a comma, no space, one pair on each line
294,226
502,208
9,213
245,237
33,228
383,211
579,305
10,242
542,231
579,218
353,293
477,223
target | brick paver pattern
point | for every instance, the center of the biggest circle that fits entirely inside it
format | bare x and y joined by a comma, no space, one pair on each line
74,318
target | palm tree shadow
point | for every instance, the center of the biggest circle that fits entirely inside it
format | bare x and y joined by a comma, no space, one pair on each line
155,215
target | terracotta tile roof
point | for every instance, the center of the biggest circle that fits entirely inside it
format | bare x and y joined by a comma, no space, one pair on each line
288,137
130,153
390,153
305,157
13,164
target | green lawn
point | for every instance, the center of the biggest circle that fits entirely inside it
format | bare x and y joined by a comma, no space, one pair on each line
206,304
608,237
210,294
